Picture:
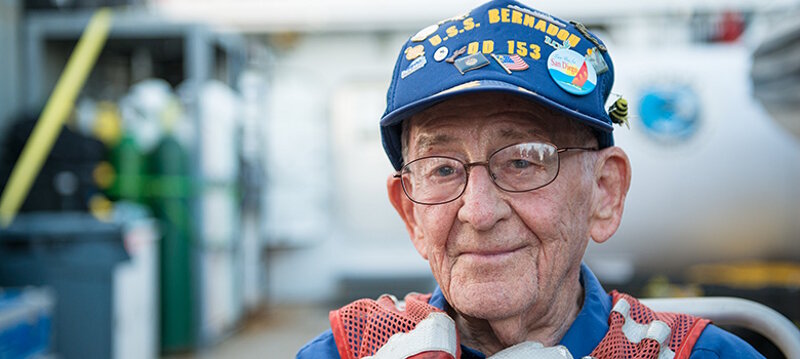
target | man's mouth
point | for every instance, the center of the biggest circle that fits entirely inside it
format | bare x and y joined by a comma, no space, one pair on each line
489,256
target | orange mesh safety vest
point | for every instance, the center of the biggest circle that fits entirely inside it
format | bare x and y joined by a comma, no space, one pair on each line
417,330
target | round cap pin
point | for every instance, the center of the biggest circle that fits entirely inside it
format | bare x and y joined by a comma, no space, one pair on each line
440,54
570,70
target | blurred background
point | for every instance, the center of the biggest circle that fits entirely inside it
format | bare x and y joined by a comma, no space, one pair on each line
219,184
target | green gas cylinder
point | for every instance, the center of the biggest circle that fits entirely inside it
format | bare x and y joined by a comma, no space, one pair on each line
128,160
170,191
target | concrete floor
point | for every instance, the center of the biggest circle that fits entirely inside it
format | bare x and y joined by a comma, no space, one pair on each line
277,332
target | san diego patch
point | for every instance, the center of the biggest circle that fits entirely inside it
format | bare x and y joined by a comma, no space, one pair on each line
572,72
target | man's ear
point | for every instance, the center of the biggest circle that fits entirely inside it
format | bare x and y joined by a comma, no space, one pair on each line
612,178
405,208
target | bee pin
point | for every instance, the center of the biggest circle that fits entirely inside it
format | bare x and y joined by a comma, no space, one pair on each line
619,112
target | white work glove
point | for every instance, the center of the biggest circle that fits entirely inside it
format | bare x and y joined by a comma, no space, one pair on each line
436,333
532,350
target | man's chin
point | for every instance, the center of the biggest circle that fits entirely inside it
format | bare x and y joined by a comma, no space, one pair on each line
492,302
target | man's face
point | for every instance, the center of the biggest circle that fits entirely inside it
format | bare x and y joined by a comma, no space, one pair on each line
497,254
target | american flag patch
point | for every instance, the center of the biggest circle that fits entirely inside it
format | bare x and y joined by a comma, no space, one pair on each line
511,62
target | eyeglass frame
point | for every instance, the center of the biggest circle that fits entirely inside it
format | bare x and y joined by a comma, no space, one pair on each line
469,165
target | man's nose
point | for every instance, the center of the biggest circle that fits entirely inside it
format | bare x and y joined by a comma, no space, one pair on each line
482,203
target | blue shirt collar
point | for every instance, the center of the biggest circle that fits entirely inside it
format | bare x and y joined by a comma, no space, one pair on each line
589,327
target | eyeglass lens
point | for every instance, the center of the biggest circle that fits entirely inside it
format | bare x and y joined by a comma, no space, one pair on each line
516,168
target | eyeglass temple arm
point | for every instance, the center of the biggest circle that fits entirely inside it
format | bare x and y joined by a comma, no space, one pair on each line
566,149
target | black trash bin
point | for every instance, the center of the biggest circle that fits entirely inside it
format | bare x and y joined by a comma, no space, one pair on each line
75,255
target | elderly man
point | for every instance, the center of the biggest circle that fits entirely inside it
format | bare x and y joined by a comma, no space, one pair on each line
497,126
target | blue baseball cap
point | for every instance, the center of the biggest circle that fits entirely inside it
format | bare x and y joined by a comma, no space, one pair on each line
501,46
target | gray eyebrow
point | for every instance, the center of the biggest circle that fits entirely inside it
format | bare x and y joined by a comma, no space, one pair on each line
426,141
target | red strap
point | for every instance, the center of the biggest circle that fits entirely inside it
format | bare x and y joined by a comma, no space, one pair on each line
339,336
361,327
691,338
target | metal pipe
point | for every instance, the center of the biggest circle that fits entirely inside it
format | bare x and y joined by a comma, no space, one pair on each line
737,312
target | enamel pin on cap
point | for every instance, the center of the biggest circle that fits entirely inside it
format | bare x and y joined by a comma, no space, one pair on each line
454,18
456,54
572,72
413,67
511,62
471,62
414,52
440,54
424,33
595,57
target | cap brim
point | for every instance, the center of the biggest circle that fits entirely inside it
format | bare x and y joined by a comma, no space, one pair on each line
412,108
390,120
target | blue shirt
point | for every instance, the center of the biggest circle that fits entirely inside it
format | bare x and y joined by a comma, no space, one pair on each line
586,332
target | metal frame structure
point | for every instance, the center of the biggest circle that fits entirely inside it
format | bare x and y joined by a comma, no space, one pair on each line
737,312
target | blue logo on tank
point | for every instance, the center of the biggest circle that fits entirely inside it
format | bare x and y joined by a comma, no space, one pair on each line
670,113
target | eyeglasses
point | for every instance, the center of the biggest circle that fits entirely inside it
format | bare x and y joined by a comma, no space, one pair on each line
521,167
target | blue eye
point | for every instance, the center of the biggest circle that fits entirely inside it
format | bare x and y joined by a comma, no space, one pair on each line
520,164
445,171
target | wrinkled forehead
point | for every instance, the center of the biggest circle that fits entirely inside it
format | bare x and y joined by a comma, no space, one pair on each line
480,115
